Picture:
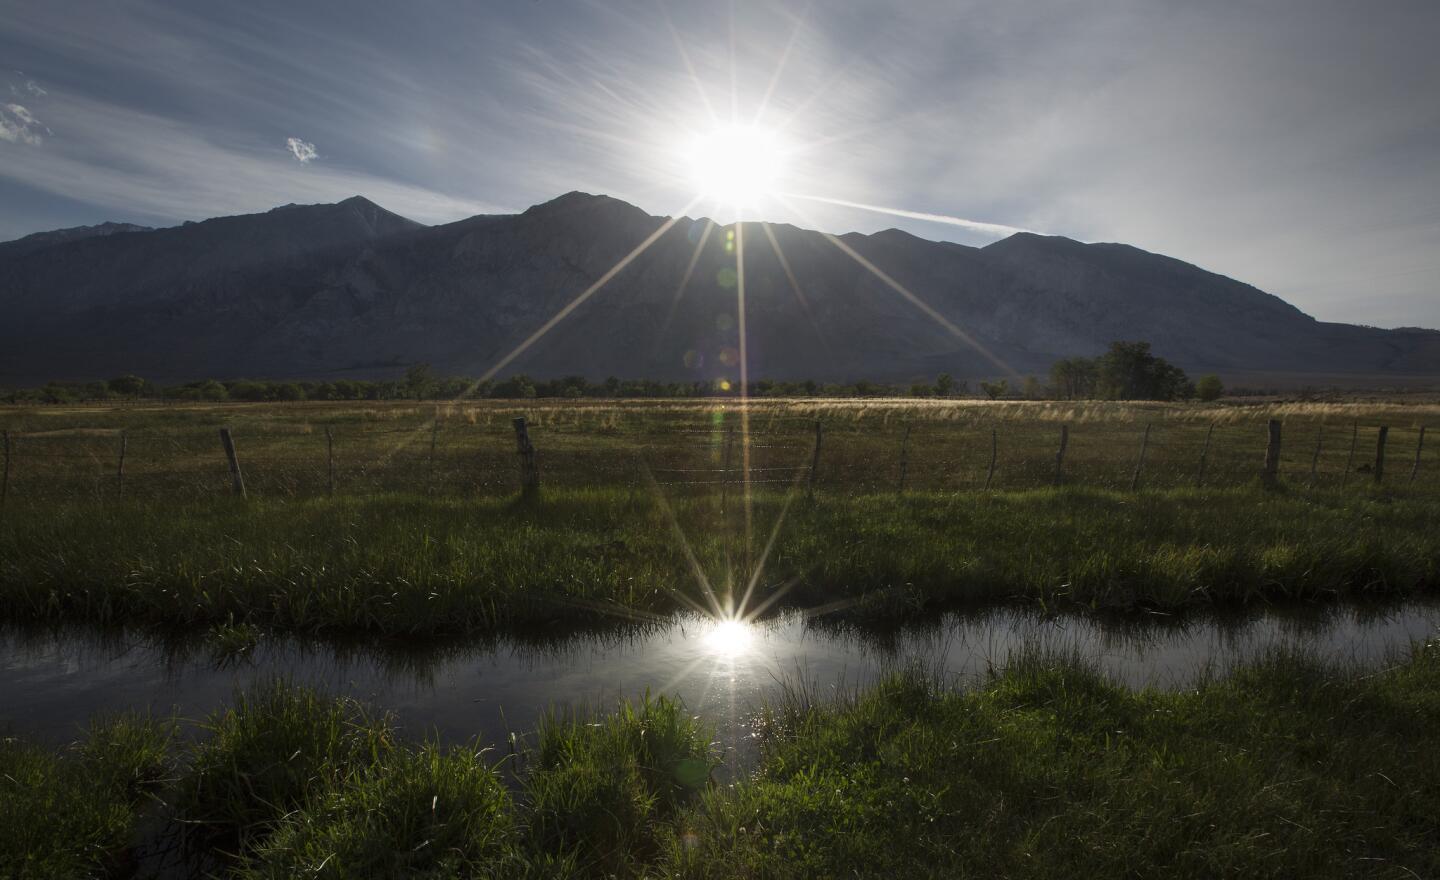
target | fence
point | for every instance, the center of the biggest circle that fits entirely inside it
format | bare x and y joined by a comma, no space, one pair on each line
458,456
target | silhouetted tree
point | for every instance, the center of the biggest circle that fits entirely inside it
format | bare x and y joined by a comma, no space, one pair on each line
1209,388
1129,371
127,385
996,390
1074,378
420,382
515,387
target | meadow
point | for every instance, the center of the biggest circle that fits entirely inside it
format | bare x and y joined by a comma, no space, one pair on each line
408,523
407,519
1289,767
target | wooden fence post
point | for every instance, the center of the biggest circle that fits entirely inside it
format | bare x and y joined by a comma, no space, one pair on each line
814,459
725,471
1271,474
1380,453
529,474
120,470
1204,452
990,474
1350,462
1140,462
904,459
1419,447
236,478
330,461
1315,459
1060,453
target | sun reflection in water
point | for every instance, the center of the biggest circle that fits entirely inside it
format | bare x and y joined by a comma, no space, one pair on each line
729,638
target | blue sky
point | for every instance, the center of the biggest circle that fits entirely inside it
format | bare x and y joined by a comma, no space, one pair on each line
1292,144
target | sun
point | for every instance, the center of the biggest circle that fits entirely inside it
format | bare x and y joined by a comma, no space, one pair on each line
727,638
736,164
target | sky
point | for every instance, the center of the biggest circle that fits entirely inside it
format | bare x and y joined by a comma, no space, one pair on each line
1292,144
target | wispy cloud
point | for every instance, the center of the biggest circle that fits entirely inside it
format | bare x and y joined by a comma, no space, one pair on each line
22,86
978,226
19,125
170,171
302,150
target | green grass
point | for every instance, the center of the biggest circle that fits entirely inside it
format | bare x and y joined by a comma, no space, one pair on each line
74,814
1289,767
1286,769
405,565
415,545
427,812
269,752
173,452
598,790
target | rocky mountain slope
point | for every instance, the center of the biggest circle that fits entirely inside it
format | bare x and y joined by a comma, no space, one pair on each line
352,289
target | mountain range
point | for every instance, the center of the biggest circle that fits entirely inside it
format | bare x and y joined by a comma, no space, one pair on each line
351,289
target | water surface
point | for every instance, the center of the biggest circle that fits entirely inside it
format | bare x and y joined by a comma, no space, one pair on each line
52,681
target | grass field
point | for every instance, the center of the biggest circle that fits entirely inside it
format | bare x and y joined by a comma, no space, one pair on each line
1287,768
637,498
172,452
1293,767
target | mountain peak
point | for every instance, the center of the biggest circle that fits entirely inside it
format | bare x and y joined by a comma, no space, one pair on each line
1031,240
576,200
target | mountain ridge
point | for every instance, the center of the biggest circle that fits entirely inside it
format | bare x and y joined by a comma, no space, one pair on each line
309,290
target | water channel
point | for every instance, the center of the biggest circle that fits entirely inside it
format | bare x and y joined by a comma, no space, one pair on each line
52,681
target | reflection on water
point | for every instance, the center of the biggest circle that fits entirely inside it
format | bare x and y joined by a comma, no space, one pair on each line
52,681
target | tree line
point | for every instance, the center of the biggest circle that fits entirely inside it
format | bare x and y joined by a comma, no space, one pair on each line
1127,371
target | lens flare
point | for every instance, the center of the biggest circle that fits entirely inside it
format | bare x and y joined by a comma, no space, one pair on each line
727,638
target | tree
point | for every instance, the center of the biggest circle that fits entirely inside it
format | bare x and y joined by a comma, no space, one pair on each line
1209,388
1074,378
289,391
920,389
996,390
420,382
944,385
1032,389
128,385
1129,371
515,387
211,390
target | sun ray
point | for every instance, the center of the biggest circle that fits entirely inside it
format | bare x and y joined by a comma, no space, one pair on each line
583,296
696,568
764,604
759,569
820,91
689,66
748,501
909,297
780,66
795,287
674,682
684,282
734,71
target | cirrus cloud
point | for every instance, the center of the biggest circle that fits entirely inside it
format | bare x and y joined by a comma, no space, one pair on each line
19,125
301,150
